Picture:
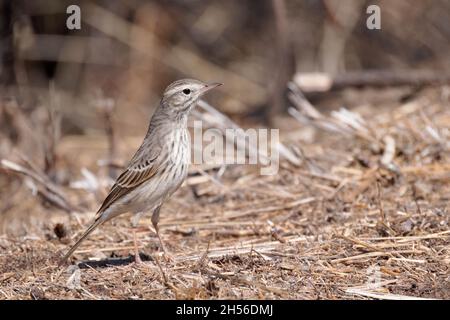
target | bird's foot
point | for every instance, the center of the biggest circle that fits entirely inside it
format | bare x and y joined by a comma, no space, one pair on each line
137,259
166,256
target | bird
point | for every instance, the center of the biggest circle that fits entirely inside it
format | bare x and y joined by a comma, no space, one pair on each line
159,166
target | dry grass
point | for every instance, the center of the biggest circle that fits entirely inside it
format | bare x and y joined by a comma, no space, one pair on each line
360,206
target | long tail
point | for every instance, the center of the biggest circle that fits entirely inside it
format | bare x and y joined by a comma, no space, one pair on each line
91,228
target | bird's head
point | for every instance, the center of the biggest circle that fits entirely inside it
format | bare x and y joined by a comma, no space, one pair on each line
182,95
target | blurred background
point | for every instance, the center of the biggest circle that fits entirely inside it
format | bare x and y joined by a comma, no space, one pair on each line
70,95
130,50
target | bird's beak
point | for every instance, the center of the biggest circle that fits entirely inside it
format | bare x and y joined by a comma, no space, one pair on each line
209,86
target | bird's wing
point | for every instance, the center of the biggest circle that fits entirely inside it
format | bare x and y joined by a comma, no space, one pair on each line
140,169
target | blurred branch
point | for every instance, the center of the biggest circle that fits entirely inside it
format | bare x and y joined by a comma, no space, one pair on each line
285,61
345,122
321,82
7,76
220,120
342,18
53,130
45,187
48,47
106,107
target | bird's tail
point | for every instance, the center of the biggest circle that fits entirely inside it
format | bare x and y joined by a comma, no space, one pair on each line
91,228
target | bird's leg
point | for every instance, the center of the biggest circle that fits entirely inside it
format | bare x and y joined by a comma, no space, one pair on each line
137,258
155,220
135,223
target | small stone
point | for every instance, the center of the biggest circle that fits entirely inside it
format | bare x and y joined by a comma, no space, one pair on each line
60,231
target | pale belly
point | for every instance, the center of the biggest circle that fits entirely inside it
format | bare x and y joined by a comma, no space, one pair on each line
153,193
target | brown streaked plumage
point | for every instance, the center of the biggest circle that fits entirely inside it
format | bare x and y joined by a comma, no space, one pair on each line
160,165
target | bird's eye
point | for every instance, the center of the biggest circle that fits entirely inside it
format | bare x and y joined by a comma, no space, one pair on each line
186,91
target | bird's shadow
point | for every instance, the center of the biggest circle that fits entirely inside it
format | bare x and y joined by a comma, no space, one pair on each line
112,262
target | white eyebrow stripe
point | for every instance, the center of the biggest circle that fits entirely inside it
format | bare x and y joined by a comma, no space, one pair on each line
172,91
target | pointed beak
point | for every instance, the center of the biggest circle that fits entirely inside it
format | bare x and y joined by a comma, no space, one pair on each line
209,86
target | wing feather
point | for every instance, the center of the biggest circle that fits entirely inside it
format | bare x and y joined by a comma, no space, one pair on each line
140,169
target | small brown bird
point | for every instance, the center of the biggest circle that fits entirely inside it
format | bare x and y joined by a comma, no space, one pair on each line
160,165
